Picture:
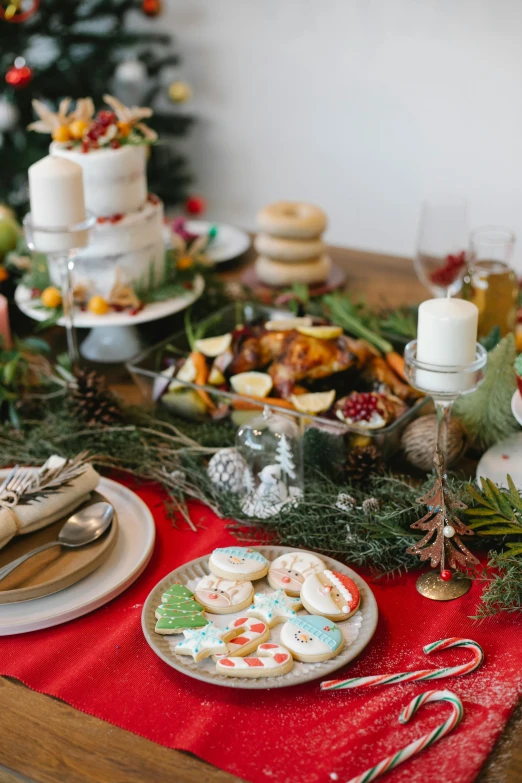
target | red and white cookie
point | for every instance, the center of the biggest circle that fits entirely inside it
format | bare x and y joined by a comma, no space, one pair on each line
252,632
223,596
290,570
271,660
330,594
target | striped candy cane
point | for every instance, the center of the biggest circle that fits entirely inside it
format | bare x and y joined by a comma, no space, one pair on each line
390,762
423,674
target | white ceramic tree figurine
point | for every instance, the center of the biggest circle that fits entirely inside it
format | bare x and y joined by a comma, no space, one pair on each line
285,458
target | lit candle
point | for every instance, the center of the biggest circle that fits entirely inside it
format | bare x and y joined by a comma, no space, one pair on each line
57,202
5,329
446,336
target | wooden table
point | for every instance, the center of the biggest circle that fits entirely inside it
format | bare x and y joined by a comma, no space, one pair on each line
43,739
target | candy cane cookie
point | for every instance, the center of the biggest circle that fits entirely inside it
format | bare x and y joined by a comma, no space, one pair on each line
422,674
290,570
330,594
271,660
400,756
223,596
252,632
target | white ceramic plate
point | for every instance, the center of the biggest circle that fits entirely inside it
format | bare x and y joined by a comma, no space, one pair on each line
516,406
357,630
123,566
85,320
503,458
229,243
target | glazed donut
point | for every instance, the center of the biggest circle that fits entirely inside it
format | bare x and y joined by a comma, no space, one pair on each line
292,220
289,250
277,273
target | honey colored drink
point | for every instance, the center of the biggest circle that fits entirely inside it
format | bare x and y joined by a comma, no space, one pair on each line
492,286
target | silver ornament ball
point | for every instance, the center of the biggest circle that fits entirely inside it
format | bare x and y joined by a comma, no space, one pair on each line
226,470
9,116
449,531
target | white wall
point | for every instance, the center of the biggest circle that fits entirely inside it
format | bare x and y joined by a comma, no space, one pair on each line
361,106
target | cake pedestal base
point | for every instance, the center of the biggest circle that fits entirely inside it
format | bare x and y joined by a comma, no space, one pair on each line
111,344
113,337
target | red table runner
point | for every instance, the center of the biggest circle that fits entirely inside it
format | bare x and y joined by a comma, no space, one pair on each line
102,665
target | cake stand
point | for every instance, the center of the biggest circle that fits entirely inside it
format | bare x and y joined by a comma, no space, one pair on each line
506,456
113,337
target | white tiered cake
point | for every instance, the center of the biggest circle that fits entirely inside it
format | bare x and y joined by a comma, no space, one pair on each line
127,242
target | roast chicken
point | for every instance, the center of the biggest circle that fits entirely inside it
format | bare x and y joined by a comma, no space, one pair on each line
292,357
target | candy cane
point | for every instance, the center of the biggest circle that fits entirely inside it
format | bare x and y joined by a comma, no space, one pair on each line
390,762
423,674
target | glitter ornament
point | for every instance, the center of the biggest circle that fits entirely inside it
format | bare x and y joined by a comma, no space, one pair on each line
180,92
19,75
226,470
195,205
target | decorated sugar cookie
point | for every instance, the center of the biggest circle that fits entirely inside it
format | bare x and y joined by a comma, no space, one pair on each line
178,611
311,638
289,571
223,596
271,660
331,594
202,642
252,633
273,608
238,562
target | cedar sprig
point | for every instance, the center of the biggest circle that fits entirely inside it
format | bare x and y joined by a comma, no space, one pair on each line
497,512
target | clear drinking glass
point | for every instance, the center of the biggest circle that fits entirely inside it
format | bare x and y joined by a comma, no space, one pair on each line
490,282
440,260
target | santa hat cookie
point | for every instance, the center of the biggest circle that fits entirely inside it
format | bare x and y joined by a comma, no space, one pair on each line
312,639
239,563
331,594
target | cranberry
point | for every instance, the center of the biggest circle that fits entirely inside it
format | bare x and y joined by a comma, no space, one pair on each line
136,310
116,218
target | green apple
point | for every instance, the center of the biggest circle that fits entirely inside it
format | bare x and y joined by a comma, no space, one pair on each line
9,235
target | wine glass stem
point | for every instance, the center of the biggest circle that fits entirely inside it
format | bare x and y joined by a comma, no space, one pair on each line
66,266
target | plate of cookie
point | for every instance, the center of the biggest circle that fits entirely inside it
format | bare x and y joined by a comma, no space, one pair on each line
259,617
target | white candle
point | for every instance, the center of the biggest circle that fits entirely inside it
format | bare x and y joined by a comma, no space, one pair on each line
446,336
57,201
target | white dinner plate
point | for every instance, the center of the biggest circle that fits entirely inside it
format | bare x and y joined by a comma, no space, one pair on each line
123,566
516,406
230,242
357,630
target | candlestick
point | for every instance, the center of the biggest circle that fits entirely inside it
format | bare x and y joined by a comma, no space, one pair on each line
5,329
57,202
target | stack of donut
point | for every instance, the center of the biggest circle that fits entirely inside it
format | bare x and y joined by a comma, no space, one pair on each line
290,246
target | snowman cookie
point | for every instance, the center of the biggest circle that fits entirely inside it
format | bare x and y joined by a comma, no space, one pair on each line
202,642
273,608
271,660
331,594
178,610
290,570
311,638
252,633
238,563
223,596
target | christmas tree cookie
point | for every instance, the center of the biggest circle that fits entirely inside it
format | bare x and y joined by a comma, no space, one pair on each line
178,611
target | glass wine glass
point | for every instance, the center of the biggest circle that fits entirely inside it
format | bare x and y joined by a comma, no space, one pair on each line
440,260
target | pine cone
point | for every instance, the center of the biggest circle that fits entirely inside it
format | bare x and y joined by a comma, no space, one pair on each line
91,400
362,462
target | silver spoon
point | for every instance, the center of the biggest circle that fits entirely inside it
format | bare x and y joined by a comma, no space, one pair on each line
81,528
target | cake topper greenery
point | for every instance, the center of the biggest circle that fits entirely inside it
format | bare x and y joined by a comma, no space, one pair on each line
82,128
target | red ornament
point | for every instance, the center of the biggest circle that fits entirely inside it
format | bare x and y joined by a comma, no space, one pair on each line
446,575
15,11
19,76
195,205
151,7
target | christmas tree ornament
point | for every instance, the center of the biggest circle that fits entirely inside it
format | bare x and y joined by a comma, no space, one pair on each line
19,75
417,676
226,469
9,116
271,446
131,82
16,11
91,401
418,442
180,92
195,205
151,7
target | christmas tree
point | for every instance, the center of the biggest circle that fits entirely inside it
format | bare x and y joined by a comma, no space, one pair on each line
284,457
51,49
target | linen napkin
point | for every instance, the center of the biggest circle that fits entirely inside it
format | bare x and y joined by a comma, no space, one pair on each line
46,500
